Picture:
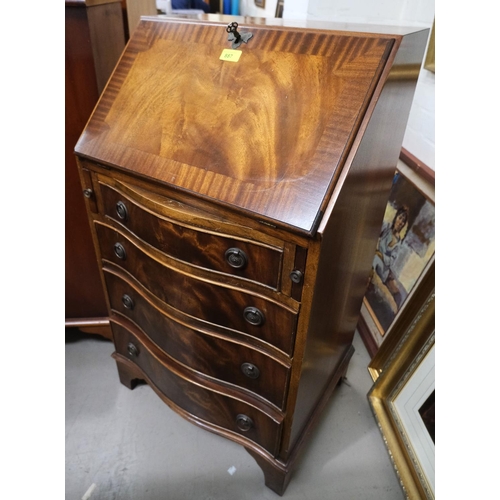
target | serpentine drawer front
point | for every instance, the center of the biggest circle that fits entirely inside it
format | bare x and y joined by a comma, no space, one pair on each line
223,253
201,400
235,206
217,304
190,342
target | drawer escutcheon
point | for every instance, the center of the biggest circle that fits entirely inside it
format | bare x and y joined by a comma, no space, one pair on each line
296,276
244,423
128,302
250,370
132,350
119,250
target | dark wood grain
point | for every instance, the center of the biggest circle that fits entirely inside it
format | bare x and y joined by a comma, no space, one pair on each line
215,304
291,152
192,244
200,350
183,388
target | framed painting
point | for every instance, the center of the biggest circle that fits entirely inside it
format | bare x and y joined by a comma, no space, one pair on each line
280,5
423,290
403,254
403,402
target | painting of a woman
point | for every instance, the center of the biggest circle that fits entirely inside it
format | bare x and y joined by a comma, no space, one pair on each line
387,251
404,248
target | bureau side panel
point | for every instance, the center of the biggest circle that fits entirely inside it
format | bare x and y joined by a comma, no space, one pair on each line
349,231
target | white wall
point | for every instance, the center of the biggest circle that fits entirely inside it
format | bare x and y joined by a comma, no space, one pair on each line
413,12
420,132
419,137
248,8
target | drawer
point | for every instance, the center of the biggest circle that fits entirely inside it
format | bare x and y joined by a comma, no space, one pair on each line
195,245
204,401
221,305
216,357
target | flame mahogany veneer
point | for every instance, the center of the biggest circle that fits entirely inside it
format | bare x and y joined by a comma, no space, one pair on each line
235,208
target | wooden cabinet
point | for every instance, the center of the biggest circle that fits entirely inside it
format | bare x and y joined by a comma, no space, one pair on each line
137,8
235,207
95,39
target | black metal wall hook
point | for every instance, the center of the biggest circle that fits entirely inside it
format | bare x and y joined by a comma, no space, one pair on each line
235,37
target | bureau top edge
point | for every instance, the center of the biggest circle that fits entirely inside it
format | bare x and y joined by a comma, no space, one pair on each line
390,30
265,136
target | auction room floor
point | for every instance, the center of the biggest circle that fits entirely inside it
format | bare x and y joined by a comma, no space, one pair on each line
128,445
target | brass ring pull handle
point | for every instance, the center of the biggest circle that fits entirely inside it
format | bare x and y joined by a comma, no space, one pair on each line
120,251
236,258
121,210
128,302
132,350
244,423
250,370
254,316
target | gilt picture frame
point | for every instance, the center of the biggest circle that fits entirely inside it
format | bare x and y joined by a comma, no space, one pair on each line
403,254
430,55
403,403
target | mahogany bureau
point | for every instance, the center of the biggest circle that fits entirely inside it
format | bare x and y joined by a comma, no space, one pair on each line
235,187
